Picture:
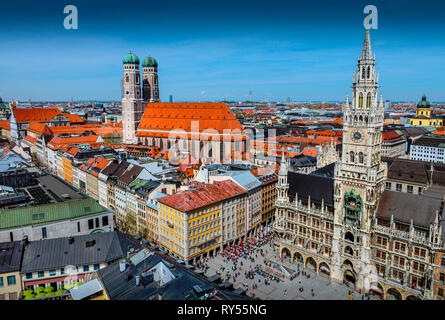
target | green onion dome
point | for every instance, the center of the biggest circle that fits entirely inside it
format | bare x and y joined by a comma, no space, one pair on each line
130,58
149,62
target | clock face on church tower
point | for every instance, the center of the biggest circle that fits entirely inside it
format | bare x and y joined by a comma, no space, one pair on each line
357,136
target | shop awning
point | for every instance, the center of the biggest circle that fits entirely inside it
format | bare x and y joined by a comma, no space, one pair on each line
375,289
325,269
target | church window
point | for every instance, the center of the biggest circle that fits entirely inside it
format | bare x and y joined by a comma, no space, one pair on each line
360,100
369,72
361,157
368,100
363,73
351,156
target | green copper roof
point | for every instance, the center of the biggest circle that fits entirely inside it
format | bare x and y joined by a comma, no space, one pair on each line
149,62
46,213
424,103
130,58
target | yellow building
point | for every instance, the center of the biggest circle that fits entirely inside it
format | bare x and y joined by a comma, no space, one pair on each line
190,221
423,115
10,280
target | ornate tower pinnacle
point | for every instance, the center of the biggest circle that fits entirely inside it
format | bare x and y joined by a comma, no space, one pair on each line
283,186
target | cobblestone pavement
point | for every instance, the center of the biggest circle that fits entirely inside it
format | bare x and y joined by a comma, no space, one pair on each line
288,289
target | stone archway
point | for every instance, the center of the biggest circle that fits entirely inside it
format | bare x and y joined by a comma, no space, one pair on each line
349,236
412,297
311,264
349,251
285,253
349,278
393,294
298,258
376,290
324,269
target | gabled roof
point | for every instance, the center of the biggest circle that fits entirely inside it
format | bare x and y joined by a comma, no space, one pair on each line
58,253
130,174
38,128
10,256
35,114
57,142
169,116
317,187
74,118
30,139
406,206
203,195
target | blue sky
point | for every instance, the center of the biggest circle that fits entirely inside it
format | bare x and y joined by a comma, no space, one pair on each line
210,50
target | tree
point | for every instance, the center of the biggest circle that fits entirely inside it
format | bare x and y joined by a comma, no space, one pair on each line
39,290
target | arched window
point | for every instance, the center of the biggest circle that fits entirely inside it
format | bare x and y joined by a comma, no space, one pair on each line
360,100
349,236
127,78
363,73
361,157
368,100
351,156
368,74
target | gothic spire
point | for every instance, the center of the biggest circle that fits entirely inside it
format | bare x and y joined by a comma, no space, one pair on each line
366,51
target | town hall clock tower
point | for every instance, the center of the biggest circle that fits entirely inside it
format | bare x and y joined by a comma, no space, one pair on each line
359,176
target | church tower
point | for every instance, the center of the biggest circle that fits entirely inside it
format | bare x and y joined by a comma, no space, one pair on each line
150,86
132,103
359,176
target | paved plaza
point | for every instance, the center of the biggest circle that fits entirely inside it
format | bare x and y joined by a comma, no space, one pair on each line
323,288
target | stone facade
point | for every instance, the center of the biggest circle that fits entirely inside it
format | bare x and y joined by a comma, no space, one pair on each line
344,228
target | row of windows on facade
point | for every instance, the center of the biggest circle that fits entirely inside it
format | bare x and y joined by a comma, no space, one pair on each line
400,261
61,271
90,226
400,247
409,188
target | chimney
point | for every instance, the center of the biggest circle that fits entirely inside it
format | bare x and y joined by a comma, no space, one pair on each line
25,240
122,265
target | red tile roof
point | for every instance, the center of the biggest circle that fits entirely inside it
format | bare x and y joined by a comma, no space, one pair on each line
30,139
38,128
390,135
203,195
35,114
74,118
5,124
57,142
164,117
